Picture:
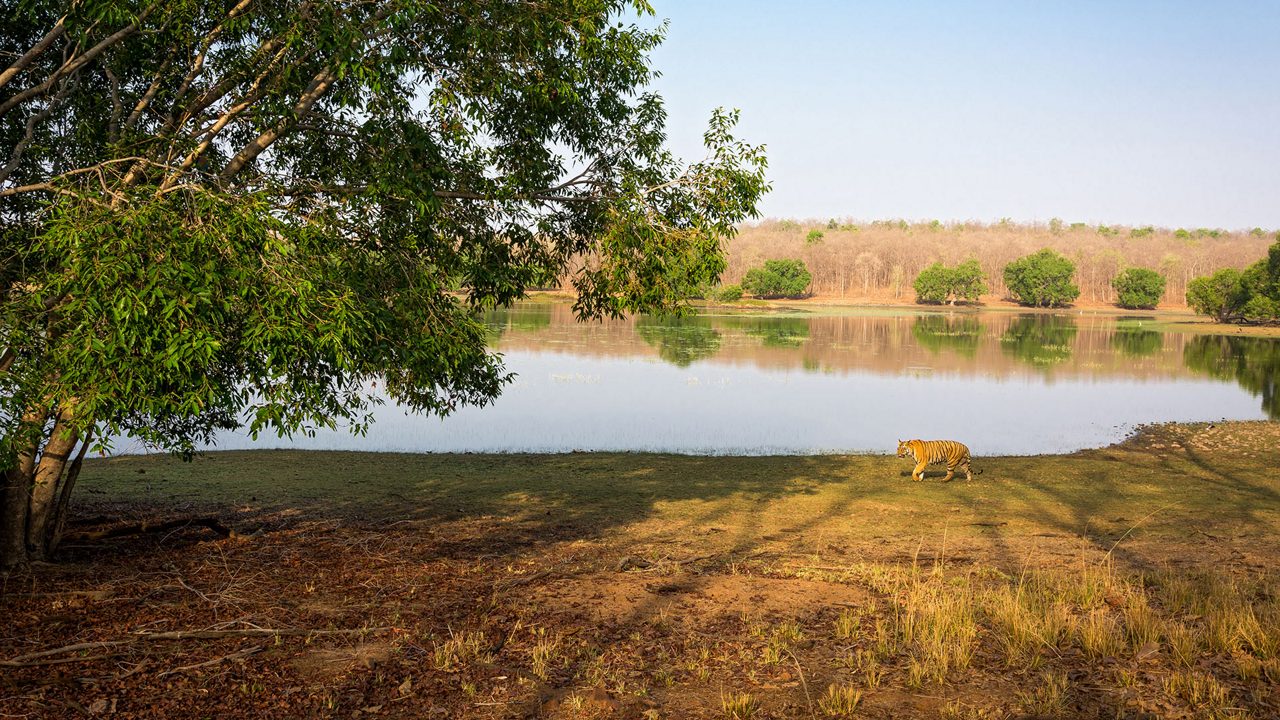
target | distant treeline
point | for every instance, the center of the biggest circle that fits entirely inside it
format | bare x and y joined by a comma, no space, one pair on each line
881,259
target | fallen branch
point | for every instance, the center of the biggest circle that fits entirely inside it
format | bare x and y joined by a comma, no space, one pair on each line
149,527
249,632
57,661
21,659
174,635
233,656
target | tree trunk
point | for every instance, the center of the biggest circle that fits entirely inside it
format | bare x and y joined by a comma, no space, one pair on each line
35,497
17,493
44,488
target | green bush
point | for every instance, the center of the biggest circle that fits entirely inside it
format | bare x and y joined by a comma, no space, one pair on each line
1138,288
729,293
939,284
1249,296
1042,279
1216,295
813,238
778,278
1144,231
933,284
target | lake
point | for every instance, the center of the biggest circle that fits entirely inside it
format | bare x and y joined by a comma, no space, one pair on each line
1004,383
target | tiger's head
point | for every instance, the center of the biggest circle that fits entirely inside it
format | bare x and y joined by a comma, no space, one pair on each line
904,447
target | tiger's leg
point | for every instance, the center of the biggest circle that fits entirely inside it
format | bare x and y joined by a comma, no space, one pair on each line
951,472
968,471
918,473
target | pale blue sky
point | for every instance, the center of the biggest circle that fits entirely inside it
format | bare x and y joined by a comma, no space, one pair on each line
1118,112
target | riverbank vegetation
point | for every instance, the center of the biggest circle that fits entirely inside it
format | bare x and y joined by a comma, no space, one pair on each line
1133,580
876,261
1248,296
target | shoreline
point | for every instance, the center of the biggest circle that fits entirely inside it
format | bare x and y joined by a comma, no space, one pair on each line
1167,319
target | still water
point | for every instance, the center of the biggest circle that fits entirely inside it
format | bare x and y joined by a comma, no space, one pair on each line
757,384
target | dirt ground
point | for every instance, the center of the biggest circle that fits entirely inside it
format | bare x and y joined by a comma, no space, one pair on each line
1132,581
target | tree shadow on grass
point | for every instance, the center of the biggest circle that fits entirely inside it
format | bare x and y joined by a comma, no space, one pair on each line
729,505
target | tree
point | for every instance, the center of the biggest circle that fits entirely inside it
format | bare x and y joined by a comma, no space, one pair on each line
933,284
1248,296
1218,295
938,283
777,278
1042,279
249,213
968,281
1138,288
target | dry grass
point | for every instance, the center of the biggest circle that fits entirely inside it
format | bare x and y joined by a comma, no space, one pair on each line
739,706
840,701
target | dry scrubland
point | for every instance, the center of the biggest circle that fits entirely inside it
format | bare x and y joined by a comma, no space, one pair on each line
877,261
1132,581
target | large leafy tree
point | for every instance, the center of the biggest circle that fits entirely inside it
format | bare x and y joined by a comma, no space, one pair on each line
1235,296
239,212
939,284
1042,279
1138,288
778,278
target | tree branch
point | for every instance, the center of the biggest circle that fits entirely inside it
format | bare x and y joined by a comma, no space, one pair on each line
74,63
59,29
319,85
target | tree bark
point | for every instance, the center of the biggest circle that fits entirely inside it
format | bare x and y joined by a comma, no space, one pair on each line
44,486
17,494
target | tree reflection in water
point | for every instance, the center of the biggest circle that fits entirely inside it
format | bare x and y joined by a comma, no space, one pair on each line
1136,341
680,341
1254,363
959,334
1040,339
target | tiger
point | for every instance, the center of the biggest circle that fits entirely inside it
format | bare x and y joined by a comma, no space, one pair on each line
932,452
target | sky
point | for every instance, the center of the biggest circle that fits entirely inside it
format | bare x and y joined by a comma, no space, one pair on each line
1133,113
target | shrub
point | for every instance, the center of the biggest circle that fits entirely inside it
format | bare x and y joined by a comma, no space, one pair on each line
778,278
729,293
813,238
938,283
1144,231
1138,288
933,284
1042,279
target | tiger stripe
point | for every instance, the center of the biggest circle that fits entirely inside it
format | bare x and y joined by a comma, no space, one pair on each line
935,452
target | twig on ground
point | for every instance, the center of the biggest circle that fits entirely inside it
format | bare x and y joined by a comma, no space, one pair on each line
18,661
177,635
232,656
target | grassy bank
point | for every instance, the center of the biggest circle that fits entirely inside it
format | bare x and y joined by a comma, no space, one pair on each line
1136,580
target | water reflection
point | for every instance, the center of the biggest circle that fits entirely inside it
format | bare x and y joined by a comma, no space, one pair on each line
778,332
745,384
1040,339
1254,363
530,317
1136,341
958,334
680,341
